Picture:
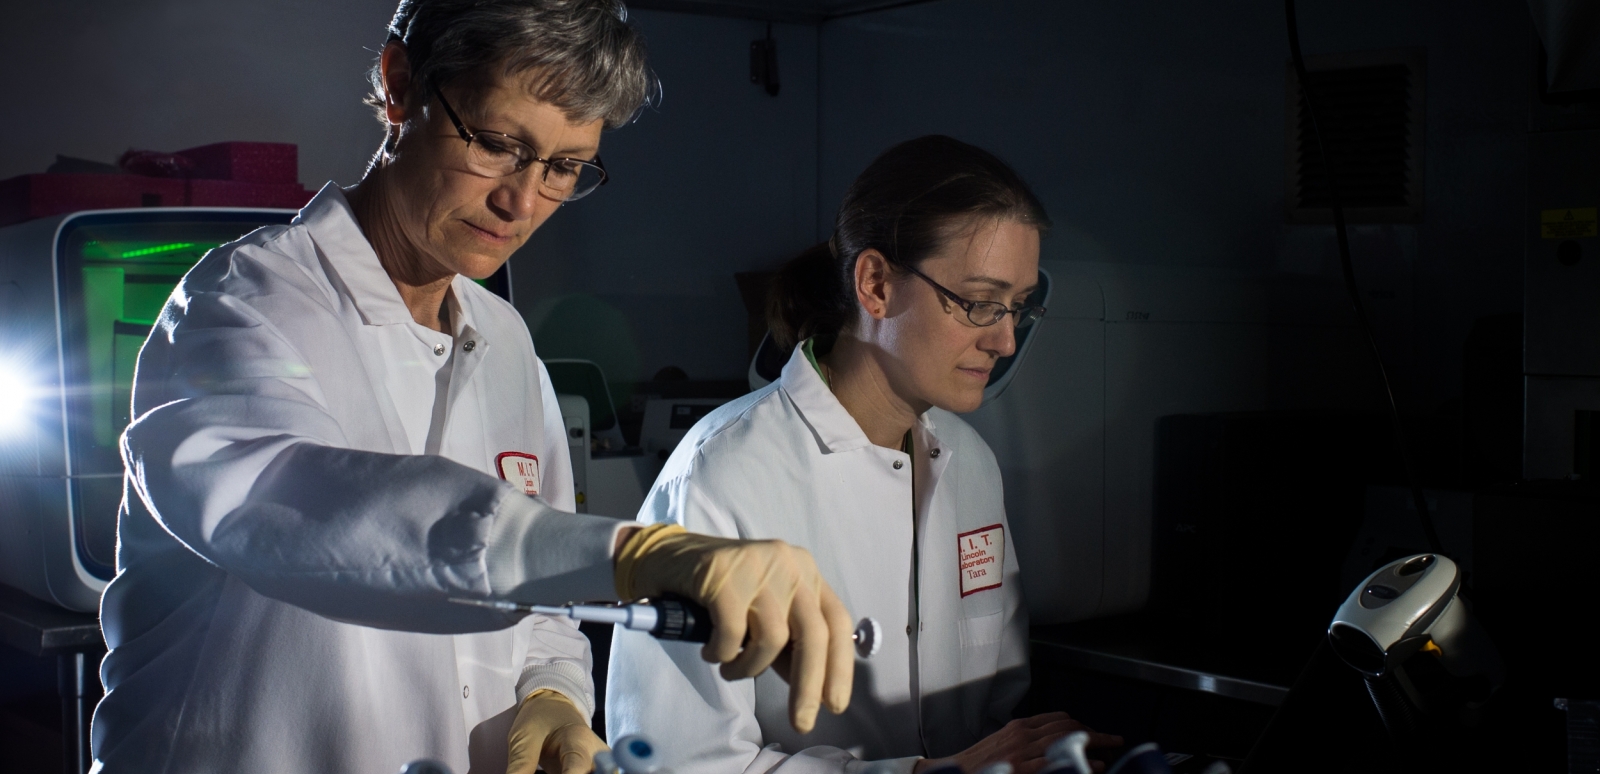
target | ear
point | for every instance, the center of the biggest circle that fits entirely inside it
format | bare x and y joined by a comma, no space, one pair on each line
394,67
872,283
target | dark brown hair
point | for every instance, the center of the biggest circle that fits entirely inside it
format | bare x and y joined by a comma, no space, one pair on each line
906,204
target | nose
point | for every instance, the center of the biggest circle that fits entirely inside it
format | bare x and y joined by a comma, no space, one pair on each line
517,196
1000,339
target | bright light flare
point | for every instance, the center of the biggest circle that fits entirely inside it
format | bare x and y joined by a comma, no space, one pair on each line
16,396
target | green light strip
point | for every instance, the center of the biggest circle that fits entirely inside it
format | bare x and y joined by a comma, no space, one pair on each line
157,249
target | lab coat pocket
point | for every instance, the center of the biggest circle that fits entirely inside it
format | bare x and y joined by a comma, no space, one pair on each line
982,630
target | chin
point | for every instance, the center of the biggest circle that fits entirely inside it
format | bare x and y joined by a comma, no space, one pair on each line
477,266
481,274
962,402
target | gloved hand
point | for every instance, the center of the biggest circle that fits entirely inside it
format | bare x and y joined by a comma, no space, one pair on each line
551,730
768,589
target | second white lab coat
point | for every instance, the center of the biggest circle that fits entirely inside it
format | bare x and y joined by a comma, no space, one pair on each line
299,508
789,462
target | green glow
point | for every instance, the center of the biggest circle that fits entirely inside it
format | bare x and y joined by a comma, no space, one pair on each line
167,248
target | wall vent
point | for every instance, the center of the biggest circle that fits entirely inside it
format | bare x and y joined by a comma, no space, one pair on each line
1370,107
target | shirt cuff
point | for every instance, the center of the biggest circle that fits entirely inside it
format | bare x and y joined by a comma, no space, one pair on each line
563,677
536,554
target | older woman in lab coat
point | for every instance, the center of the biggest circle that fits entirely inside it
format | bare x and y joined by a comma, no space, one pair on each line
857,454
337,431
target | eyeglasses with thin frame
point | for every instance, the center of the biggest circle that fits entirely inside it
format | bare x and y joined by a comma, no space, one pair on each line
985,313
493,154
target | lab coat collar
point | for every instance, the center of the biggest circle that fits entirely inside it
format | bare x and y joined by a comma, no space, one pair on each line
835,428
461,319
925,440
833,425
333,227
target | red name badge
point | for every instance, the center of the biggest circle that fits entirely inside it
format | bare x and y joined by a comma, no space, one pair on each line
522,470
983,558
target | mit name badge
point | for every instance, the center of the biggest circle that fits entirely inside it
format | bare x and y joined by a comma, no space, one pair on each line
522,470
983,558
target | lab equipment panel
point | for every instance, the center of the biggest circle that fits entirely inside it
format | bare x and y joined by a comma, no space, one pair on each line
1561,277
79,295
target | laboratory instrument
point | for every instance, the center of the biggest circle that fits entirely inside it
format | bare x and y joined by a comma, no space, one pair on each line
666,618
1561,322
669,617
425,766
634,754
668,420
79,294
1066,755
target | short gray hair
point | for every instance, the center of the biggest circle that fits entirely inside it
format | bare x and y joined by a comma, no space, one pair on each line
586,58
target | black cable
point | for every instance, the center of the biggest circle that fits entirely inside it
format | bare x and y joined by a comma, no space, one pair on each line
1419,499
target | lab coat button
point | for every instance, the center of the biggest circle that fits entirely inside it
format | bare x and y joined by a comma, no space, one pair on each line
438,349
469,346
898,464
908,630
936,453
466,691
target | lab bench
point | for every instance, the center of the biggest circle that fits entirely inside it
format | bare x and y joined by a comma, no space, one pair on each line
1152,678
1140,650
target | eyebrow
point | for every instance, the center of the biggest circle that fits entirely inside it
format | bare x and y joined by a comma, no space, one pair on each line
996,283
585,153
582,153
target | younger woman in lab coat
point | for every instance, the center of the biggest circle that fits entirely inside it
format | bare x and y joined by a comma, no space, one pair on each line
856,453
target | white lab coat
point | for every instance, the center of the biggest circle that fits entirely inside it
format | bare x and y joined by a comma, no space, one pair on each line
308,482
789,462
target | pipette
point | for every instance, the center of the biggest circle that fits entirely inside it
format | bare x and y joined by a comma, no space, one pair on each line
665,618
668,617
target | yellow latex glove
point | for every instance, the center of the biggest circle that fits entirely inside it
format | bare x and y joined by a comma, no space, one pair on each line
551,730
767,589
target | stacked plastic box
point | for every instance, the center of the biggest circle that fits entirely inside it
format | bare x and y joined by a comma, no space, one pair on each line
226,174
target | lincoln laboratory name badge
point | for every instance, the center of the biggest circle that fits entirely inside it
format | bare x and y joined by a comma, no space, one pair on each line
983,558
522,470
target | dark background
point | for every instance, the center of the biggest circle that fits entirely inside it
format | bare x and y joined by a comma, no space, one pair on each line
1153,130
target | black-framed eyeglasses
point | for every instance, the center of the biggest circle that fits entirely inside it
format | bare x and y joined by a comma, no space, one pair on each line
985,313
493,154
